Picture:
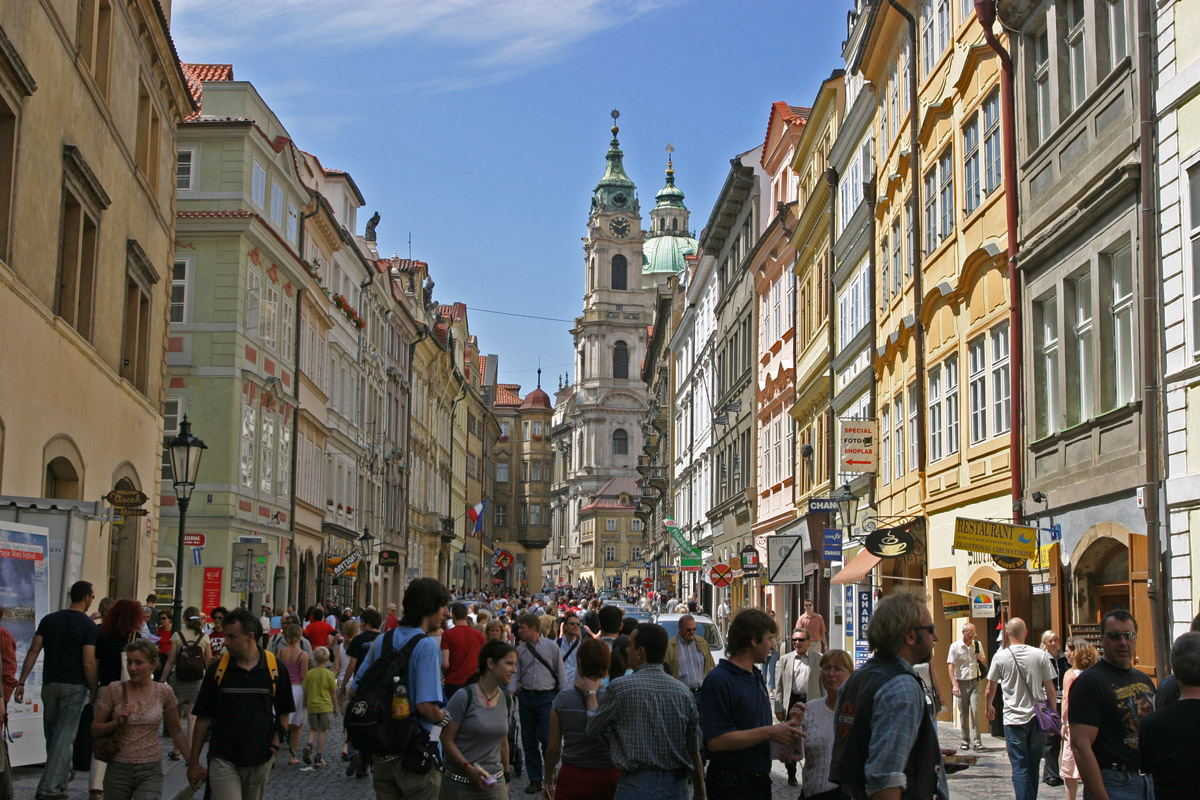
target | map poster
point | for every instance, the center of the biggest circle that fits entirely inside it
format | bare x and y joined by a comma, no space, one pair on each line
25,595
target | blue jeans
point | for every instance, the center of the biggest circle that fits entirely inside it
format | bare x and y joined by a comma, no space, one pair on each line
1125,785
535,729
62,704
772,660
1025,744
652,785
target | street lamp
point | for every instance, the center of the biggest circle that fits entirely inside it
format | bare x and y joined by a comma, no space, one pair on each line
366,543
185,463
848,508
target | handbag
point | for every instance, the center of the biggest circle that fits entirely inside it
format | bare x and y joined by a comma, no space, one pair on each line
983,670
1046,715
105,746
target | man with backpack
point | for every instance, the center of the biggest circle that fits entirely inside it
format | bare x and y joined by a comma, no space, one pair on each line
247,710
407,658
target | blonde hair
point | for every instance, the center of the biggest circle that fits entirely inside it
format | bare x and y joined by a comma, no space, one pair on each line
321,655
1046,637
1083,654
839,658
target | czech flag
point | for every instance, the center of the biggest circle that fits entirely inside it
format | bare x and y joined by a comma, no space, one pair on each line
475,514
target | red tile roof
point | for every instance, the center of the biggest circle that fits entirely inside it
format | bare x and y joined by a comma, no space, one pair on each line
508,395
482,363
537,399
195,73
609,496
454,312
240,213
791,115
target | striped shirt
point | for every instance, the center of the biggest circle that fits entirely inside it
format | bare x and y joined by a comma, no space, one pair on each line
649,720
691,664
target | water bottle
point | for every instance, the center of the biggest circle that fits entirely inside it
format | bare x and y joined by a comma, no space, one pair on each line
400,706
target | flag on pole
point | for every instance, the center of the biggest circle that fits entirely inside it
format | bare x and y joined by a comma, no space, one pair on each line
475,514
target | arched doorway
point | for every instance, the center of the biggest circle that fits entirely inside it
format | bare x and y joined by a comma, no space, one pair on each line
123,552
1102,578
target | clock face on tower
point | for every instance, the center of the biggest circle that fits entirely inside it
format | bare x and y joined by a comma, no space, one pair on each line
619,227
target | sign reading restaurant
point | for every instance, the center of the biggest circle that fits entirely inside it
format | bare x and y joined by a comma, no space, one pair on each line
997,538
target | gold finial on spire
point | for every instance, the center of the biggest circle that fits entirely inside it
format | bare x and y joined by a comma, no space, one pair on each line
670,166
615,114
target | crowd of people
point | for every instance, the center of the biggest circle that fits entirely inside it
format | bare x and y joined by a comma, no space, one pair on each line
589,701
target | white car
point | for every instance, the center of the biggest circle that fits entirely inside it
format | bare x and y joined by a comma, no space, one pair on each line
706,629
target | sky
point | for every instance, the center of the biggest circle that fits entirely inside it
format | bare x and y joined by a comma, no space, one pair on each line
479,127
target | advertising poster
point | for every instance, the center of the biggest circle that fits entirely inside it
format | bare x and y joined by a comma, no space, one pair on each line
25,595
211,596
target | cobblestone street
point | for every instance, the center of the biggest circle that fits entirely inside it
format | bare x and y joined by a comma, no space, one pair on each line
989,780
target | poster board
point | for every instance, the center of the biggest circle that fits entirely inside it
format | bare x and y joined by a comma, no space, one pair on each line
25,594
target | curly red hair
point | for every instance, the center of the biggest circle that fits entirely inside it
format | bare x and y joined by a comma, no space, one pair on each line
122,620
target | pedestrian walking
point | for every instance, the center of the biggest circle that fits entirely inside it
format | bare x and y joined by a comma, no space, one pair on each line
295,662
587,771
569,643
886,737
735,713
134,711
1167,737
320,705
540,676
216,636
189,657
1051,645
651,724
773,659
356,651
118,628
689,658
244,703
460,651
1081,655
475,740
1108,703
820,720
319,632
814,623
68,638
1026,677
967,663
798,679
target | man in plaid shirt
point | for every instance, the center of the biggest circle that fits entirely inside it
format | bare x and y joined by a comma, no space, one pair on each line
651,724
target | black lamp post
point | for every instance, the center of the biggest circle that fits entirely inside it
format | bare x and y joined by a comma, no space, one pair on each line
185,463
366,543
848,508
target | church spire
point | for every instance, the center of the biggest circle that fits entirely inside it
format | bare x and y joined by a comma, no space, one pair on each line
615,190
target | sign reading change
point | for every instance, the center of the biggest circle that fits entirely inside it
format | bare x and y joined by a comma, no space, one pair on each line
997,538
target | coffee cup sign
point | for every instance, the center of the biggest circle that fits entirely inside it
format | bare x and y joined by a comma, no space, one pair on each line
858,445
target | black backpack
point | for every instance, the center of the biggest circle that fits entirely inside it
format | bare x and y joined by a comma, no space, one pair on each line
369,720
189,664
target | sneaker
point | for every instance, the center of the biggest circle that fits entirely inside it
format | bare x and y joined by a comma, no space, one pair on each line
319,762
355,765
307,755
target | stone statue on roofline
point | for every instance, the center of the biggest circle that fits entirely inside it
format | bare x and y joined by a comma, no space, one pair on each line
372,223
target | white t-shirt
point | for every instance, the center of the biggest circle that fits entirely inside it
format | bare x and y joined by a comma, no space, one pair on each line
819,720
962,656
1021,692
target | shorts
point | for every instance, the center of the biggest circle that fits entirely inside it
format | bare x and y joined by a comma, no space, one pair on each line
299,715
321,721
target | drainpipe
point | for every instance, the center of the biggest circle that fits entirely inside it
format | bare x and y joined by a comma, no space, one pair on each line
914,126
1152,336
831,178
872,314
986,11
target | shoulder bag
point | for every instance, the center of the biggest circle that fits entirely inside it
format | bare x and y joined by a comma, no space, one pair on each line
105,746
1046,715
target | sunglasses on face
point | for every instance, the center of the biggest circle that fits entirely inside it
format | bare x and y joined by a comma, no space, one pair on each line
1118,635
799,641
688,630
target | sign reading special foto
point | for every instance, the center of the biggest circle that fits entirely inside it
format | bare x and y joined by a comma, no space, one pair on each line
858,444
997,538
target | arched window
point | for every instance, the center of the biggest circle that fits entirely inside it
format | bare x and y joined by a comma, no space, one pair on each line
620,441
674,224
621,361
619,269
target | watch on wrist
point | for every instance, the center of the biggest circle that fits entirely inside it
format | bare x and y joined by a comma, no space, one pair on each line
590,693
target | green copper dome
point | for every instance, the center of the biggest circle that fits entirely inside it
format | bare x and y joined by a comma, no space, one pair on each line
670,196
615,191
666,253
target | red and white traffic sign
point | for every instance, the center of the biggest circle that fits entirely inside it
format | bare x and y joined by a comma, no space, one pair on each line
858,445
193,540
721,575
648,582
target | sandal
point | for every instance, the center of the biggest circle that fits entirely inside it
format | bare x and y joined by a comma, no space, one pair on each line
979,746
964,746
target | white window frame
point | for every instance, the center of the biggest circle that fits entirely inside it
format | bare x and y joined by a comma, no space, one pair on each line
935,413
181,290
277,196
249,446
268,320
946,194
885,454
913,439
766,458
1118,32
1124,336
253,301
610,524
258,184
1043,105
1001,379
898,434
1082,386
972,184
185,178
977,388
1046,374
293,224
992,153
1190,217
283,472
1076,61
173,410
287,334
950,403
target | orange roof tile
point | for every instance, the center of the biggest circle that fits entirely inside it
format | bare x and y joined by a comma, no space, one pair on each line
194,74
792,115
454,312
609,496
508,395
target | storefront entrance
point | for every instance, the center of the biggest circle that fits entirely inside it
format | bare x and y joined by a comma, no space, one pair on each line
1110,572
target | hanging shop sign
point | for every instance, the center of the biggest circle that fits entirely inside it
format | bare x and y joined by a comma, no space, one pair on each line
126,498
858,445
685,547
983,602
955,605
997,538
889,542
1005,562
502,559
389,558
831,549
750,567
341,566
785,558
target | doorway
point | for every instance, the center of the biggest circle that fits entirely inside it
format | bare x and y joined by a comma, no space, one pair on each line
123,552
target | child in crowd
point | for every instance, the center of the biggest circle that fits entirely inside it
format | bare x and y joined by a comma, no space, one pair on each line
320,692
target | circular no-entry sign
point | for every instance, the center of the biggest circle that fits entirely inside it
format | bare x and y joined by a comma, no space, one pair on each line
647,582
722,575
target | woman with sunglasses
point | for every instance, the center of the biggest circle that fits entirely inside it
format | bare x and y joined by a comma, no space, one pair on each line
216,637
819,724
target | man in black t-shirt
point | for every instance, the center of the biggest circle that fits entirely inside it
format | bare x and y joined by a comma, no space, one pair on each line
1108,702
68,638
1167,739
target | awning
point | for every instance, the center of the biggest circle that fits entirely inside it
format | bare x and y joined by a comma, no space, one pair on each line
858,567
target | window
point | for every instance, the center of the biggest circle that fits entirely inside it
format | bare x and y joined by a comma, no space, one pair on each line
620,442
885,450
537,429
283,475
619,273
504,429
502,472
94,38
790,307
287,337
928,34
777,451
179,289
610,523
971,166
501,515
1001,391
790,454
777,320
898,430
931,214
149,137
172,408
293,224
267,446
1076,78
766,459
135,346
249,432
621,361
977,390
258,185
610,553
935,413
253,292
184,163
635,553
1046,368
1119,360
83,200
894,102
268,320
950,403
276,203
1039,113
897,255
1114,17
885,287
991,143
946,165
1192,226
910,216
1081,385
944,25
913,439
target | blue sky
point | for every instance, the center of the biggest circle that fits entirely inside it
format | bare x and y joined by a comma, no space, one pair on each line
480,126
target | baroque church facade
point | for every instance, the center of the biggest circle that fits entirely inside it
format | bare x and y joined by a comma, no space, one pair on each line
598,431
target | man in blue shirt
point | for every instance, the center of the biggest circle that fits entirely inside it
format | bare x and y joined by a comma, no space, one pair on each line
735,713
425,610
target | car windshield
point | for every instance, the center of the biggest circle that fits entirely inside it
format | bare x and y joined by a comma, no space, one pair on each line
705,630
